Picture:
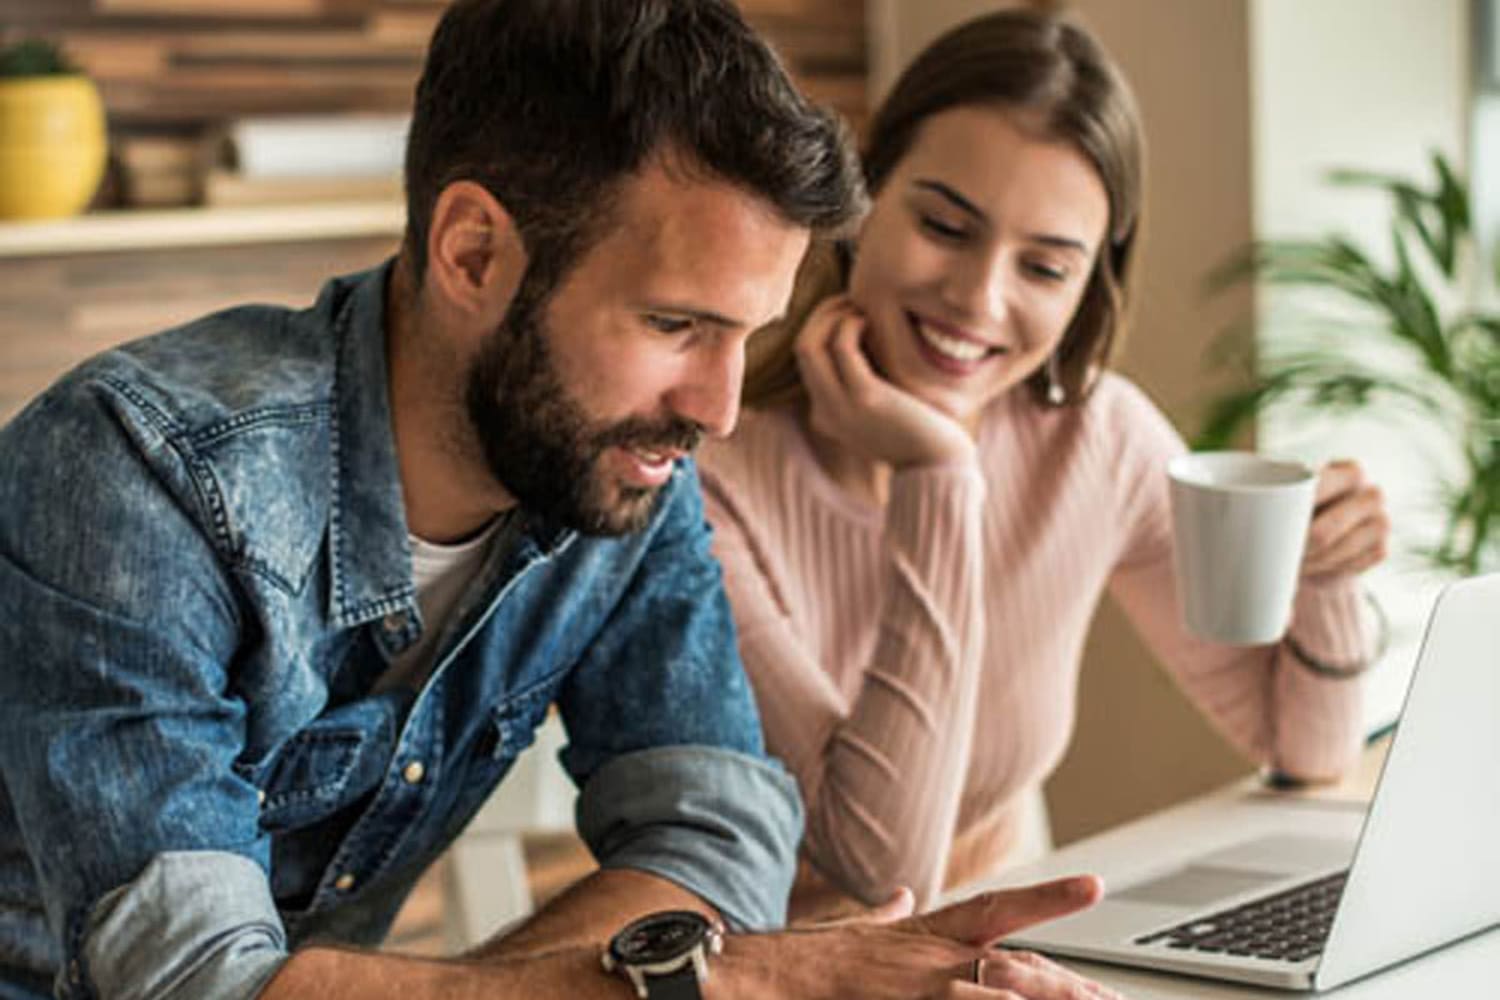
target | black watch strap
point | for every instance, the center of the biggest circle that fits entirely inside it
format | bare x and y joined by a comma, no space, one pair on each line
679,985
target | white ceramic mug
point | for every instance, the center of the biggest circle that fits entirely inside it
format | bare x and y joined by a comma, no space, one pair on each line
1239,525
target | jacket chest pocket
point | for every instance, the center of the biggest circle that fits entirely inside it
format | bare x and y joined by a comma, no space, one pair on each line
316,773
513,723
507,729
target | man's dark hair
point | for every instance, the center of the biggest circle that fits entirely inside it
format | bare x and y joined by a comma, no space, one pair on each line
550,104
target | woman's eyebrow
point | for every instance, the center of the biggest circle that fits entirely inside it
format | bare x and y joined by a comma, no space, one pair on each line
948,193
944,191
1061,242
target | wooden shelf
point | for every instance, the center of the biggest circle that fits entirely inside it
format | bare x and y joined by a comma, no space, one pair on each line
110,232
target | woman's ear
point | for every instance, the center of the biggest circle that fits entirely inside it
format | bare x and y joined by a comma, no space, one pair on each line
475,255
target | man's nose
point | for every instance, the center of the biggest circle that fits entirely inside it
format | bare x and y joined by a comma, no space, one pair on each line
709,393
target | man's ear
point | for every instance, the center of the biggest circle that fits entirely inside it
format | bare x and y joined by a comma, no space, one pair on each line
475,255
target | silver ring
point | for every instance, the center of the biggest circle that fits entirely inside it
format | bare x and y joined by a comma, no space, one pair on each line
976,974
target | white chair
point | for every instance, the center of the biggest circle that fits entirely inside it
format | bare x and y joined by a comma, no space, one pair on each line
487,887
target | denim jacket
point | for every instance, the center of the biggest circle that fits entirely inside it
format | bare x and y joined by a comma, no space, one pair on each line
204,568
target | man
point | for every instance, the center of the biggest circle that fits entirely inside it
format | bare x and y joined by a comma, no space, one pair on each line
286,592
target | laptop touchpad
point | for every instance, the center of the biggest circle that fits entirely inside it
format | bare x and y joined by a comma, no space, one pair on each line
1195,885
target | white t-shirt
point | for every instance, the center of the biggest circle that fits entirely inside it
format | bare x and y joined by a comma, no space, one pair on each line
442,573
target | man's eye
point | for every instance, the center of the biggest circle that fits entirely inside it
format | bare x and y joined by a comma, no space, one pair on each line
668,324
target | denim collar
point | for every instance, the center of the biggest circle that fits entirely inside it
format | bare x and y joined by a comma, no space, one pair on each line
367,533
369,555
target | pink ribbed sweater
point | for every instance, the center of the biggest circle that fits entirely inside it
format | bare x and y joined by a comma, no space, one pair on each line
916,665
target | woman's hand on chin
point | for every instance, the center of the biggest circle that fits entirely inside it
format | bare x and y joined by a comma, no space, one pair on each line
853,405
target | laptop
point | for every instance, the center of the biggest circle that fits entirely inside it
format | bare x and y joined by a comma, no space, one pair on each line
1300,910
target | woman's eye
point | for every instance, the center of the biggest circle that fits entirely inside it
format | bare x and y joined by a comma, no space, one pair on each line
668,324
942,229
1046,272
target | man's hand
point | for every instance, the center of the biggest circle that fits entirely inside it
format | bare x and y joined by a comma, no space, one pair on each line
915,958
1028,975
885,955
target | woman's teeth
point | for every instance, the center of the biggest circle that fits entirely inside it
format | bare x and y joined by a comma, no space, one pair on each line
953,347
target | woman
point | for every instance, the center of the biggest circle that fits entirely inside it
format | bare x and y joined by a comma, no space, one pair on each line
935,480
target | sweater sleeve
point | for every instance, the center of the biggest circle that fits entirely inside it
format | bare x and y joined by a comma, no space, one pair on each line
1262,699
882,769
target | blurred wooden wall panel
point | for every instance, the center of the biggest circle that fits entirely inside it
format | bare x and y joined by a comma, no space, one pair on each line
184,63
113,55
56,311
233,9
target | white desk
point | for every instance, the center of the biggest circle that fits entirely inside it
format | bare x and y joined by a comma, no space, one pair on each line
1469,968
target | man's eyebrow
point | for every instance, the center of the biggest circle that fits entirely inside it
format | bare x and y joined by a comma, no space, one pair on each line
690,312
959,201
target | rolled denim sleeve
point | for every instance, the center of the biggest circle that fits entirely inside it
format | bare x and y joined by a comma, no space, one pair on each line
722,825
196,925
664,736
119,721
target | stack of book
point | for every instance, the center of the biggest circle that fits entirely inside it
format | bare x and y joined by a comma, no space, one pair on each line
310,158
159,171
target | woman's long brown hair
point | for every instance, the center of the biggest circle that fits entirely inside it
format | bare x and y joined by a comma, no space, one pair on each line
1053,74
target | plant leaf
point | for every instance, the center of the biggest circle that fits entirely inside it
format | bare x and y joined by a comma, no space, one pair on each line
1455,384
1230,414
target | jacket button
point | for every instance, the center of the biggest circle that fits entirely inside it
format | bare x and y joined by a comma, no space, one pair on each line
344,882
394,622
413,772
260,796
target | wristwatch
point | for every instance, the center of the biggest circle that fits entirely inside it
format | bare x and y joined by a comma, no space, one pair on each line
665,955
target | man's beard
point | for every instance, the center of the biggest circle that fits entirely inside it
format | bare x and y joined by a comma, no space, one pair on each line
540,444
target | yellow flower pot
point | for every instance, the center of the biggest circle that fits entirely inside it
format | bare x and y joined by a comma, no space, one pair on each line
52,145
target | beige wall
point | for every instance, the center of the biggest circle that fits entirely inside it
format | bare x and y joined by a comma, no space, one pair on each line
1139,745
899,29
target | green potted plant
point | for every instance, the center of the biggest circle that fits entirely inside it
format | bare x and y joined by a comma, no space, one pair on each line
52,135
1389,335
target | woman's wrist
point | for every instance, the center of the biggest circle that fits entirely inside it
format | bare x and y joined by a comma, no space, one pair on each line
1345,669
956,460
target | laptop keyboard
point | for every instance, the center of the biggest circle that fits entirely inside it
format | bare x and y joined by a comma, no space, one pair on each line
1288,926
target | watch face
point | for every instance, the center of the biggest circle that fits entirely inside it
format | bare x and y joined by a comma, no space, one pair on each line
660,937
